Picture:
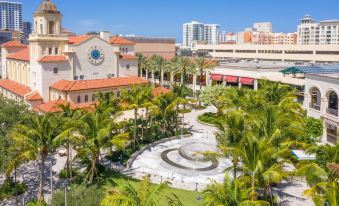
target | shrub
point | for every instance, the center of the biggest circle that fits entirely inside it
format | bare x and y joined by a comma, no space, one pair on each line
10,188
209,118
313,130
78,196
64,174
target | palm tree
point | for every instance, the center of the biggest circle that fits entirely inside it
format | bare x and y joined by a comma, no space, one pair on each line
136,98
186,67
203,65
142,195
323,181
142,64
160,65
69,118
96,130
226,194
35,138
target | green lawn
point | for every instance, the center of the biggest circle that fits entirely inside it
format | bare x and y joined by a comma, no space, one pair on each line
188,198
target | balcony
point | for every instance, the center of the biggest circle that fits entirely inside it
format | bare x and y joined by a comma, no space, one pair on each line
315,106
333,112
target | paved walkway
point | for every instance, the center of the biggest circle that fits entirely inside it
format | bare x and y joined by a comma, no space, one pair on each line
29,174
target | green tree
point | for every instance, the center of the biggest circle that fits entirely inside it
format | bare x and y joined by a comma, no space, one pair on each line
136,98
204,65
160,65
213,96
142,195
35,140
226,194
142,64
186,67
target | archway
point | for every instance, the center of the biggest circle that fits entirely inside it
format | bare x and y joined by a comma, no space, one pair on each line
332,103
315,98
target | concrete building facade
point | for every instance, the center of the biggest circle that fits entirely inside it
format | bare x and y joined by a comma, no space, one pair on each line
11,15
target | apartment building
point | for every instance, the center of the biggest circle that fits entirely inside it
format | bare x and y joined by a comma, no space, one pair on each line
11,15
227,37
265,38
263,27
323,32
196,31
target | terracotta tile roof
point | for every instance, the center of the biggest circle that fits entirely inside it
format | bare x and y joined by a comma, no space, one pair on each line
59,58
121,41
75,40
127,57
14,87
54,106
160,91
13,44
65,31
168,57
22,55
34,96
65,85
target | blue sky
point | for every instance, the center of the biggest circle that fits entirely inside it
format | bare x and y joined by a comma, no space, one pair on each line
165,18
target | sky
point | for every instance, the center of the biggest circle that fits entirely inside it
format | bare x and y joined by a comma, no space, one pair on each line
165,18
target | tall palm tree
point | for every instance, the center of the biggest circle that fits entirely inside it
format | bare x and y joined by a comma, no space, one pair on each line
142,195
203,65
142,64
68,136
186,66
160,65
35,138
136,98
96,130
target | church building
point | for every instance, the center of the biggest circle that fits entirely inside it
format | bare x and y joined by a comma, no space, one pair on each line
56,66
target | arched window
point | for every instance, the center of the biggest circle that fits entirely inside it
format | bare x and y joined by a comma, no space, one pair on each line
332,103
315,98
51,27
78,99
86,98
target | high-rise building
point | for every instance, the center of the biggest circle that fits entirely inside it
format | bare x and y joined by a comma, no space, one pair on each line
323,32
27,30
11,15
227,37
263,27
196,31
211,33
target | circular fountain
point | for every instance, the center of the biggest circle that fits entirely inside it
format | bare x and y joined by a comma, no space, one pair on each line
182,162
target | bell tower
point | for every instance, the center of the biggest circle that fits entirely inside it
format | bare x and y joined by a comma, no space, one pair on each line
47,38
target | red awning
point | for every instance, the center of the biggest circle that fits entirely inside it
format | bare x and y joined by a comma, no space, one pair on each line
216,77
231,79
246,81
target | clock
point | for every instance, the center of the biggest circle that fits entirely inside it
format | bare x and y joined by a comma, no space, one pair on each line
95,55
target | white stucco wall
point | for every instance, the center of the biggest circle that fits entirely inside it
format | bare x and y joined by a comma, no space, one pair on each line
133,67
94,71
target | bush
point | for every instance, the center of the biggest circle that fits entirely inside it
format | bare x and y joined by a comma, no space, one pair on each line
64,174
209,118
9,189
313,130
78,196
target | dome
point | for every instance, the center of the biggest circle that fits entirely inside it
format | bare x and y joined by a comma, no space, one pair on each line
47,7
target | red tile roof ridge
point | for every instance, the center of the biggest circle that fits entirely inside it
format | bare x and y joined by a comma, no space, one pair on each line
22,55
55,58
15,88
75,40
77,85
13,44
120,41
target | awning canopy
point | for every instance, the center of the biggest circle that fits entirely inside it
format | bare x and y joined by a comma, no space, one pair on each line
216,77
246,81
231,79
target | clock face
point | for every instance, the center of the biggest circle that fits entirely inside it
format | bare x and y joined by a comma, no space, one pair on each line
95,55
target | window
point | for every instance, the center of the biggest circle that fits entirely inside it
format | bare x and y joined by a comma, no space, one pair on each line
127,66
82,77
51,27
56,51
50,51
76,77
118,93
86,98
55,70
78,99
41,29
93,97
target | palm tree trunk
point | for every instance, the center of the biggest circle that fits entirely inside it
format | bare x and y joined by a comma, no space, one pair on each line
135,126
67,161
153,78
42,178
171,79
146,74
161,77
200,85
182,78
93,169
